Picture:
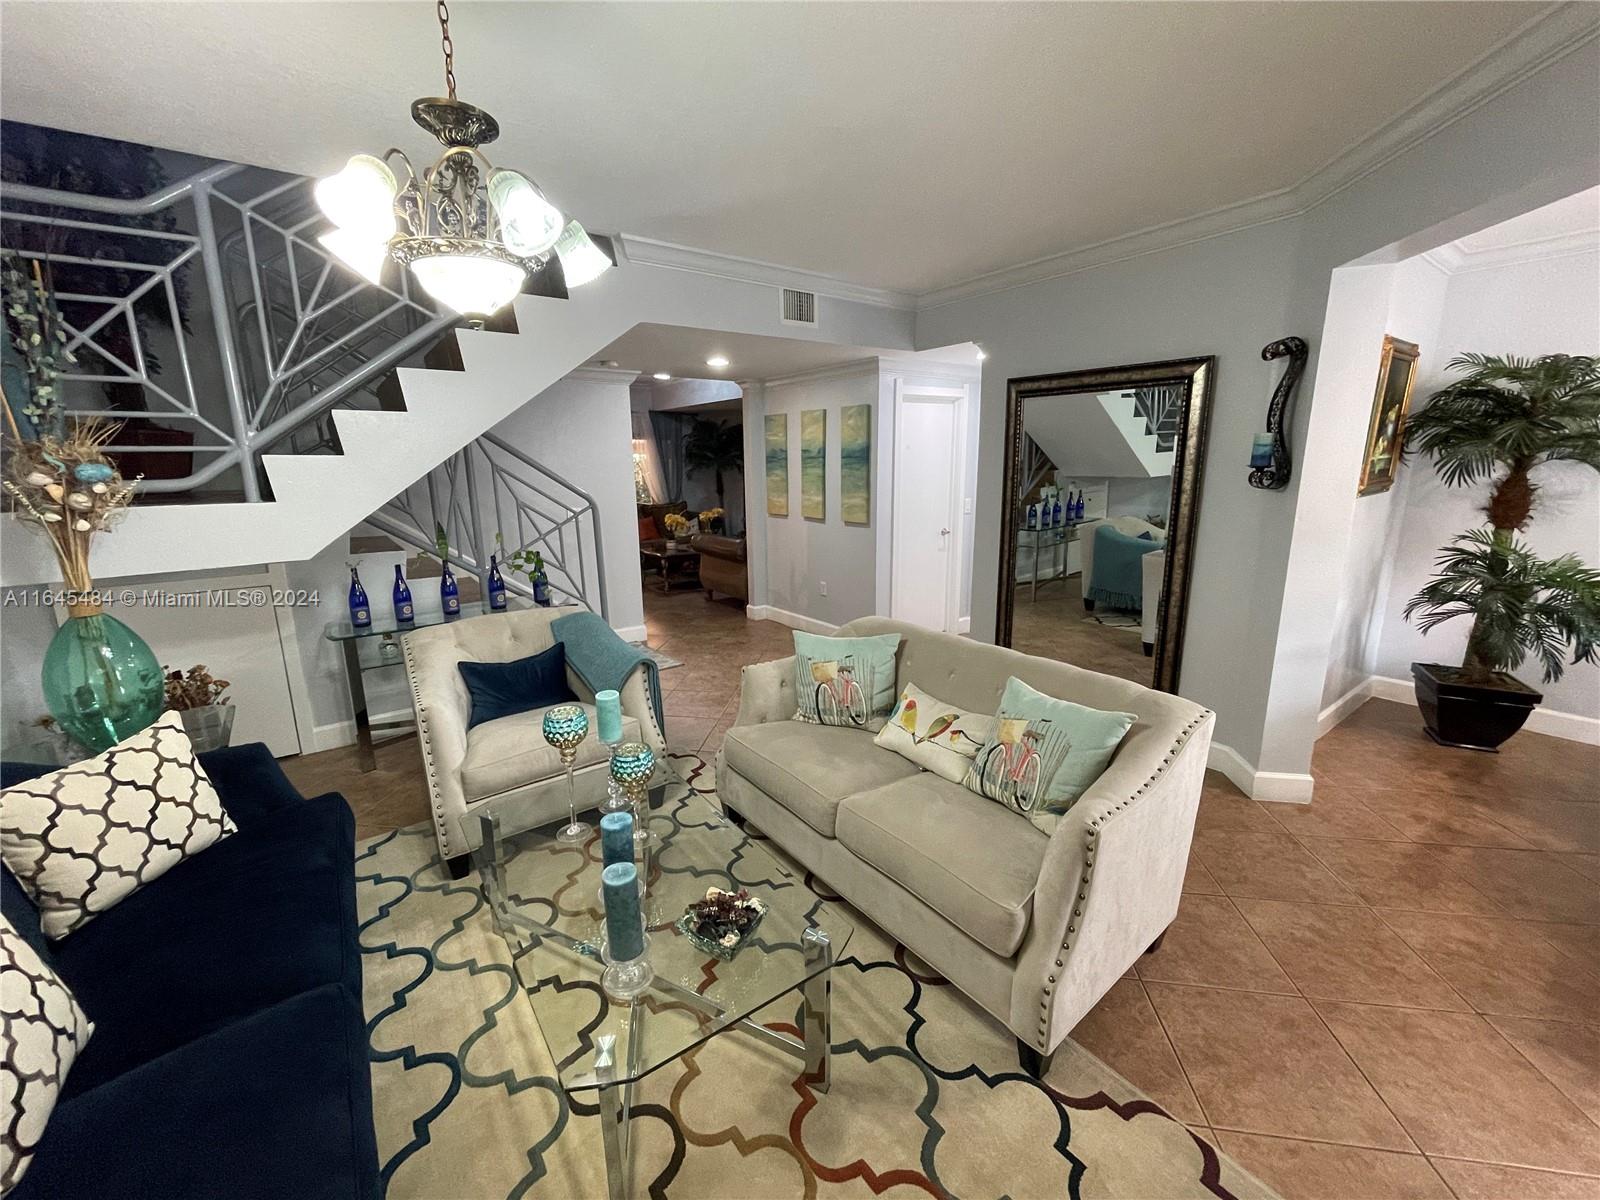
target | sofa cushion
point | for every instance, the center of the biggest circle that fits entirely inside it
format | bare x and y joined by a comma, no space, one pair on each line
809,769
503,689
42,1031
259,917
972,861
510,752
276,1105
85,837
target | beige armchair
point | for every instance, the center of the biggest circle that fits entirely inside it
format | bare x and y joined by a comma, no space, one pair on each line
507,759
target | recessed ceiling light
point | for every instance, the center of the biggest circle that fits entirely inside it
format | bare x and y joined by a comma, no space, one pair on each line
661,375
718,361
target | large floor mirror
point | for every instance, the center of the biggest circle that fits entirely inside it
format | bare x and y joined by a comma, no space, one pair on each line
1102,488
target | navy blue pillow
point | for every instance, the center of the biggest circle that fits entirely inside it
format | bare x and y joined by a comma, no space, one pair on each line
505,689
1147,535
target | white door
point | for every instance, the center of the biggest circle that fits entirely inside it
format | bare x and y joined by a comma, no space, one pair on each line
927,487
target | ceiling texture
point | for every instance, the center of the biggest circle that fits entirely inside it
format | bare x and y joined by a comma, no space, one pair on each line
904,146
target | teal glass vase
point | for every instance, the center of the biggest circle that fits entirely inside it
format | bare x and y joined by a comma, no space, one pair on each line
101,682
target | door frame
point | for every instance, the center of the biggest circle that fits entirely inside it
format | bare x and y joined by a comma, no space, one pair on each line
959,397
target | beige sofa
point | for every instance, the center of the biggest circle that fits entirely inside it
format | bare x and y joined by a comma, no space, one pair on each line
506,760
1034,928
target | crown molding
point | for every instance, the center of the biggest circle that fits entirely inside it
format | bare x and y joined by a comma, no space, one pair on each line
1545,39
860,366
1454,259
652,253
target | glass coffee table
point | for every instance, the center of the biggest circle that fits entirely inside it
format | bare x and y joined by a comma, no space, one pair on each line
545,896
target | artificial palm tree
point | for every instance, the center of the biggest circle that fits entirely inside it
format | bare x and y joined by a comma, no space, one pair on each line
716,447
1504,418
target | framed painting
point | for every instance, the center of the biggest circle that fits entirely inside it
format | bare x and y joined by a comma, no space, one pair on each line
855,464
777,437
813,463
1391,402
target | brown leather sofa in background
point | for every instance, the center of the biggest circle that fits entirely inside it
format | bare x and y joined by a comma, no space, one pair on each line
722,565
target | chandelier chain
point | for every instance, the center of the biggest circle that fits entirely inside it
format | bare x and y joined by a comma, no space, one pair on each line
449,48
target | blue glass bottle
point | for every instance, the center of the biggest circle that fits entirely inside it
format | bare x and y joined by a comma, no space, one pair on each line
497,586
1055,512
449,594
541,582
360,609
405,612
1077,509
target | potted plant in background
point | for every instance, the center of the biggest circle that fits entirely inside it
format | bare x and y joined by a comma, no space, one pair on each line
711,520
1503,420
717,447
677,527
202,703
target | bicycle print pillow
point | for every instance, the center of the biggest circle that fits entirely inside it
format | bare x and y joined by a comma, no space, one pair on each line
848,682
1045,753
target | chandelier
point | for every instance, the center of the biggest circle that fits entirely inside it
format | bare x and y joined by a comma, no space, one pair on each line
468,231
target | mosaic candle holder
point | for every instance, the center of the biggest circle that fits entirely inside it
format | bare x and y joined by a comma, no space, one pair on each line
565,726
632,765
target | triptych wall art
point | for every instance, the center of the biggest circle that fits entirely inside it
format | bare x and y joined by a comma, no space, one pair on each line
855,464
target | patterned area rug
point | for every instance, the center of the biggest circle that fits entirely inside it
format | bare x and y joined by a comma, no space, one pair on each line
1113,620
927,1096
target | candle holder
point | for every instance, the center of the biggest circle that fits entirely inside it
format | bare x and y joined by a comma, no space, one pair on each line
565,726
608,705
631,767
626,979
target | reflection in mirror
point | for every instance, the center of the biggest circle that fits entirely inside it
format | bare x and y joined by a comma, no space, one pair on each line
1102,483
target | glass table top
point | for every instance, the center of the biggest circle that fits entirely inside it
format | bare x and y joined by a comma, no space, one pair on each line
343,631
545,895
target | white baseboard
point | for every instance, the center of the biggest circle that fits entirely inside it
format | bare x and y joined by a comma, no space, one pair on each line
343,733
1568,726
767,612
1282,787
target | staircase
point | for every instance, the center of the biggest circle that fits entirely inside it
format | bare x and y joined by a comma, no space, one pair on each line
310,399
1108,435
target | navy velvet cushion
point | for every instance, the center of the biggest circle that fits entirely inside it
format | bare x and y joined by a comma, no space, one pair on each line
256,919
505,689
277,1105
1146,535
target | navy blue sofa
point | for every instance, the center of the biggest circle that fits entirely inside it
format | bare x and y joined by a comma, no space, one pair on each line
229,1056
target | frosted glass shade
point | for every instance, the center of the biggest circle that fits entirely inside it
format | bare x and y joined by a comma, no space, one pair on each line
360,198
361,254
468,283
581,260
529,224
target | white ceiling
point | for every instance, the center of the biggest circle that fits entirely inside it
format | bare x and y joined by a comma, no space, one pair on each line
901,145
682,352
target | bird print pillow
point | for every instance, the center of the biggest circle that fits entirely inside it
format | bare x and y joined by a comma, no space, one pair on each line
934,734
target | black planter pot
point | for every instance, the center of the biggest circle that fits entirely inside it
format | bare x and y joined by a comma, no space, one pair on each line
1471,716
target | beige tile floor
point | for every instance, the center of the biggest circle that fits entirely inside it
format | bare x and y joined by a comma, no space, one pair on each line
1393,991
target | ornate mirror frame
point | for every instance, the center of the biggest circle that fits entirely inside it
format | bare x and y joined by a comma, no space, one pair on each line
1198,377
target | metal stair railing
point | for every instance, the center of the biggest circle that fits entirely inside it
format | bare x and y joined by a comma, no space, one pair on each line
492,487
322,337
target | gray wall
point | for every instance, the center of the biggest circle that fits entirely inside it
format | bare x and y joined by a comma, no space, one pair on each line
1261,618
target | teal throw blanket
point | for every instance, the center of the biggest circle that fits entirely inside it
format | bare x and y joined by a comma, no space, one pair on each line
1118,574
603,660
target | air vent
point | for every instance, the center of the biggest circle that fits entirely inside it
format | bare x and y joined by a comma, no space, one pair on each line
799,308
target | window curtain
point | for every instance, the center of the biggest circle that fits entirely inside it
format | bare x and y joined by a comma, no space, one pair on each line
668,429
644,445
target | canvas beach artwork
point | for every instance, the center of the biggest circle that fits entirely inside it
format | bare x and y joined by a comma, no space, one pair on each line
813,463
855,464
777,464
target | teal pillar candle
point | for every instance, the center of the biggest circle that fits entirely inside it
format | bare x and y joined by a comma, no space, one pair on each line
608,704
616,838
624,924
1261,450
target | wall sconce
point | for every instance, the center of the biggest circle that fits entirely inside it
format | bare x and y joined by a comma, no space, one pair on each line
1270,465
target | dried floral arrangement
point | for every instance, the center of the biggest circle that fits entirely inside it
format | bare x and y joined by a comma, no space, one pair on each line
677,524
712,514
720,924
38,337
197,689
68,487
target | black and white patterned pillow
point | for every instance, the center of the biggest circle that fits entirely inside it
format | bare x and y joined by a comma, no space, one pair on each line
42,1030
87,836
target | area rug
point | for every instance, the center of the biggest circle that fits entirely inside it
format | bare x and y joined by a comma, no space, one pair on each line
664,662
1114,620
927,1095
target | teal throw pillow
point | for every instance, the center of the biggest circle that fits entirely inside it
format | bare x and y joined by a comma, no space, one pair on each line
849,681
1044,753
